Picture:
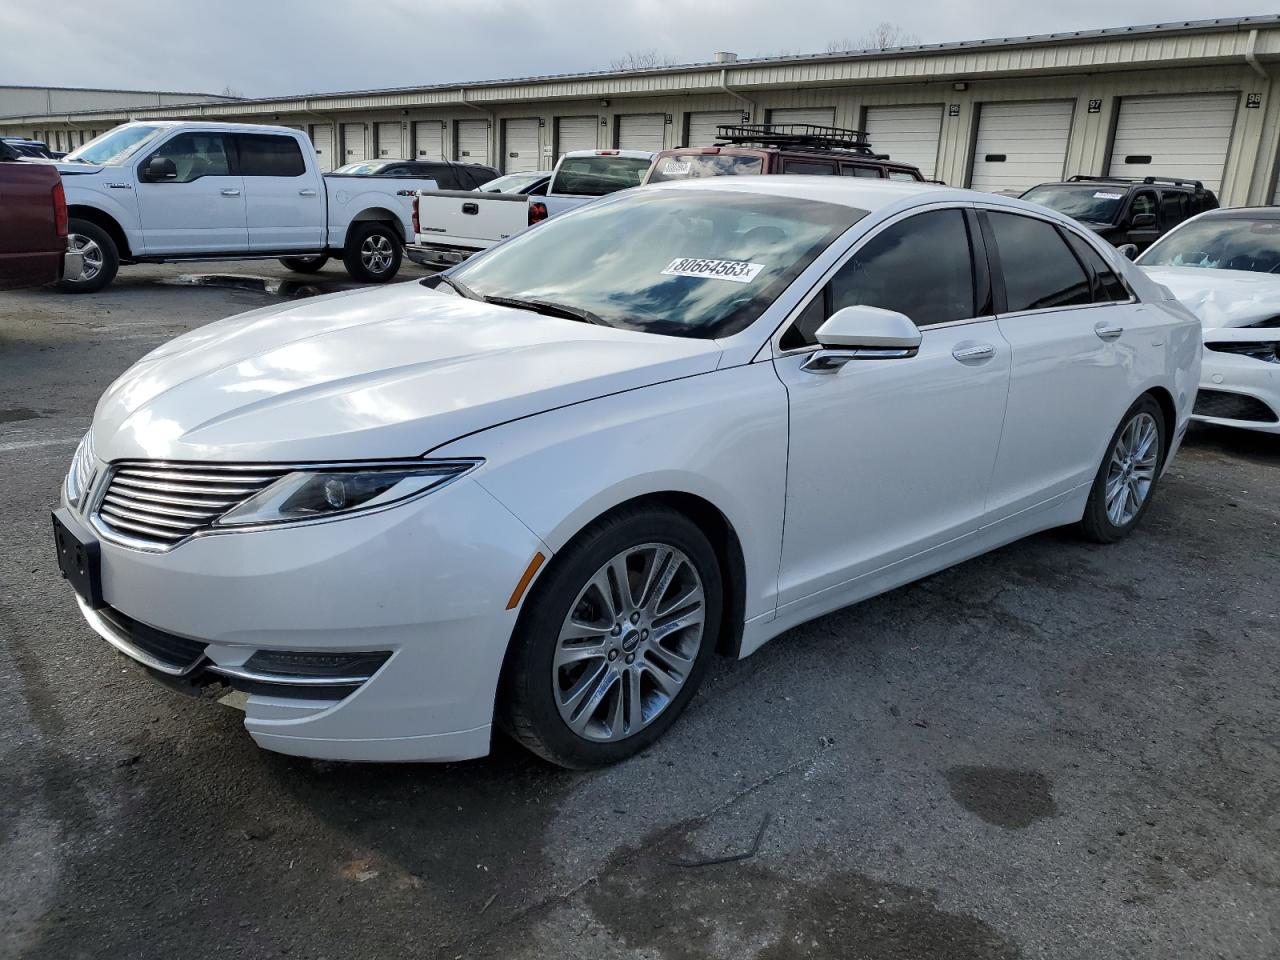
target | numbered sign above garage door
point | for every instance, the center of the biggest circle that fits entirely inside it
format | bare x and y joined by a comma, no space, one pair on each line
1020,144
353,148
521,146
700,129
1186,136
428,140
640,131
473,141
907,134
823,116
575,133
390,143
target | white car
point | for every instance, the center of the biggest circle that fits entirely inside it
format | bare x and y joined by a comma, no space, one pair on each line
674,423
1225,266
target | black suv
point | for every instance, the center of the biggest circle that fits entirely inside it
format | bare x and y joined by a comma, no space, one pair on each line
1124,211
448,174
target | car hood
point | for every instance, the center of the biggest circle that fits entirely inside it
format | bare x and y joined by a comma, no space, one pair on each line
73,168
393,372
1222,298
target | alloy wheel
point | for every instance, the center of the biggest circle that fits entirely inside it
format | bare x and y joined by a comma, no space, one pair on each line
1132,469
92,254
629,642
376,253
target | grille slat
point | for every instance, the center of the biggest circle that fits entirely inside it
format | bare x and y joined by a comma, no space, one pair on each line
163,505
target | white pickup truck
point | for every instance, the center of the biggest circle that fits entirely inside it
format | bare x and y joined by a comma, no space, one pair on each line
451,225
150,192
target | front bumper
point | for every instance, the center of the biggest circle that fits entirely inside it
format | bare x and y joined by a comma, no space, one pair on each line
427,581
1239,391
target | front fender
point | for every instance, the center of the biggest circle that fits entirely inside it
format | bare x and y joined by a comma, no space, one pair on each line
720,436
101,198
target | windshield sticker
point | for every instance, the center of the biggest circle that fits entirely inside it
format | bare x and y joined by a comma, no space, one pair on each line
676,168
738,271
1108,196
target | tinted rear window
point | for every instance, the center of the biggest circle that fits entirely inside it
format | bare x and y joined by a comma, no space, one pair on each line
263,155
596,176
688,166
1040,271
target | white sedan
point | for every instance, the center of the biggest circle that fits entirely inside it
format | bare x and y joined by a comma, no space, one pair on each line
678,422
1225,266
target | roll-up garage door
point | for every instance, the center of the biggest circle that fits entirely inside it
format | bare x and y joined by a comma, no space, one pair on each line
1020,144
907,134
473,141
353,142
824,116
641,131
1184,136
390,144
521,146
322,140
701,129
575,133
428,140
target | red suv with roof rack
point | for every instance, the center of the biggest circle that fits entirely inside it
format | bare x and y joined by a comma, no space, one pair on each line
771,148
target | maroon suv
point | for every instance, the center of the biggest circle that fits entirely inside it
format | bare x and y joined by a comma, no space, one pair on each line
755,148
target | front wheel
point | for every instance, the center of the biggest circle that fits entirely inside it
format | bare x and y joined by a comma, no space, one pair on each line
372,253
615,639
305,264
101,257
1126,481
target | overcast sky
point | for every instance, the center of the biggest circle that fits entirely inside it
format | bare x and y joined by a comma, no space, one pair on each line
273,47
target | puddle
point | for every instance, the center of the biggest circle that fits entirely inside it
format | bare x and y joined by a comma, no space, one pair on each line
15,414
272,286
1012,799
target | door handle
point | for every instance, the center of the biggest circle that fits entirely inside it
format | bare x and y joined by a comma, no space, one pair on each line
230,193
471,208
1107,331
977,351
306,193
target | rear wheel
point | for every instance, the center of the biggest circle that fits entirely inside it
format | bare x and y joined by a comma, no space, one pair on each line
372,253
1126,481
305,264
101,257
615,639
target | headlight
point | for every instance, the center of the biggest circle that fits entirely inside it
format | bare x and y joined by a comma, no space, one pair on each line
327,492
81,473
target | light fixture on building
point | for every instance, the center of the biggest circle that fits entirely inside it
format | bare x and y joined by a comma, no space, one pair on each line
604,103
960,85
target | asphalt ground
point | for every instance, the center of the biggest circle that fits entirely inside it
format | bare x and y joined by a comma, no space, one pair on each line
1056,750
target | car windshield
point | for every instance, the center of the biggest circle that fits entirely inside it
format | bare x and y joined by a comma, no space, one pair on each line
595,176
360,169
511,183
1095,202
1224,243
689,165
678,262
115,146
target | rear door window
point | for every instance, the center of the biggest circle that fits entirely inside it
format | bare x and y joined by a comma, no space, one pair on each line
1040,271
853,170
1108,287
265,155
1174,208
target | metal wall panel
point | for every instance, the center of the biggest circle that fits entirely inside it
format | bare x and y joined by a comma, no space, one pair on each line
1182,136
907,134
1020,144
521,145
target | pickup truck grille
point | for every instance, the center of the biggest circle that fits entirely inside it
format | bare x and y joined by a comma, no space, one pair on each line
164,504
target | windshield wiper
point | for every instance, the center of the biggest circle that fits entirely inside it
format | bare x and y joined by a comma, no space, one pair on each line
461,287
549,308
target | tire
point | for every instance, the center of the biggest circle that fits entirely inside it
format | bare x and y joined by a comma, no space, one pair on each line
372,252
1131,470
305,264
99,270
548,682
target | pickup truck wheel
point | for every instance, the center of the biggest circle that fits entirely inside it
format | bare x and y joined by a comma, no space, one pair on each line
304,264
372,253
101,258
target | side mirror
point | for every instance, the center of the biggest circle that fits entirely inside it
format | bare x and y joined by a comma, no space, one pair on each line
160,168
863,333
1143,221
1128,250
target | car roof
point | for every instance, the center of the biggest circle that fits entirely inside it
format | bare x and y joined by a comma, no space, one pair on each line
1242,213
629,154
213,125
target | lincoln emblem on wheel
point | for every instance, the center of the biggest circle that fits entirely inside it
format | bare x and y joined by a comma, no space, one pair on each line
404,520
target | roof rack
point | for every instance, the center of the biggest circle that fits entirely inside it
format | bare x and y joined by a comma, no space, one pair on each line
801,135
1175,181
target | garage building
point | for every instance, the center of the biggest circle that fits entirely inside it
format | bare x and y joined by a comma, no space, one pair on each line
1199,100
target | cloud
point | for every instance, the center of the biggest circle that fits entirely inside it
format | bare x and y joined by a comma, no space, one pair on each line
276,47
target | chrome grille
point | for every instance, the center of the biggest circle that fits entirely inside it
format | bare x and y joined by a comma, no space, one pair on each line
164,504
